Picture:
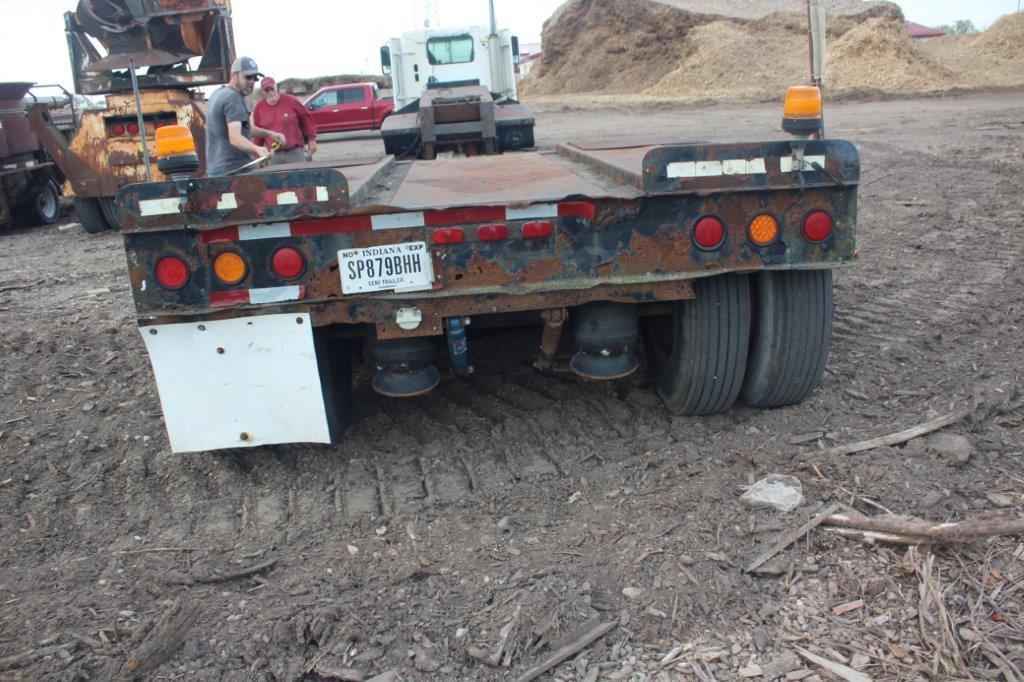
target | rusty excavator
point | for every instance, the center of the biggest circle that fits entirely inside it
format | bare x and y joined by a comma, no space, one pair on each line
169,48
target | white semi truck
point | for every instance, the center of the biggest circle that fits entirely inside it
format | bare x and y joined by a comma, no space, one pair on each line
450,56
455,90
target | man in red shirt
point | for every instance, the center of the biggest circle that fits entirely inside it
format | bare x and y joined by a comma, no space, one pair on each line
285,114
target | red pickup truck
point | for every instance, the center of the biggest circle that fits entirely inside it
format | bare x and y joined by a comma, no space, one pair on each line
357,106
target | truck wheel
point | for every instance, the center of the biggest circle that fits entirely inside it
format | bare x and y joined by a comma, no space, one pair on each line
698,354
90,214
791,335
45,207
110,213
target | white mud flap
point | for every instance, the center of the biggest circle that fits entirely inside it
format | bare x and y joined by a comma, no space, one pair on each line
238,383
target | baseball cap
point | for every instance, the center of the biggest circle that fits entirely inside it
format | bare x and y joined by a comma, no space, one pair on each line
267,83
245,66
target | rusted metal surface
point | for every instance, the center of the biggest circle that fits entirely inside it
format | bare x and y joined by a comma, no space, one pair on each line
232,200
97,163
842,166
525,178
615,241
149,34
554,321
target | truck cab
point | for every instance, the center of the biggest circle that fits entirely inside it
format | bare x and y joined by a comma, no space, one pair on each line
454,56
355,106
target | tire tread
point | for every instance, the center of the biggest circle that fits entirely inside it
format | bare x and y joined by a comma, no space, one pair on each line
793,330
704,374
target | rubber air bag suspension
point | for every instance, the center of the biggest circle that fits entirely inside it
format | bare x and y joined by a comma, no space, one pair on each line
405,367
605,336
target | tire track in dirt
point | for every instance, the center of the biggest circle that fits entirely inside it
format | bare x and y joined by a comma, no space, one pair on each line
939,276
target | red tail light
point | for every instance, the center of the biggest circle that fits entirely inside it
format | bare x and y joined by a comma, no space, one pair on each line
817,226
117,129
448,235
579,209
133,128
171,272
709,232
288,263
538,229
492,233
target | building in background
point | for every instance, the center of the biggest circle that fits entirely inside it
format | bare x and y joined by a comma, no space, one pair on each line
529,55
919,32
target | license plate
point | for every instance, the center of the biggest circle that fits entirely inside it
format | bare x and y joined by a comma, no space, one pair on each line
392,267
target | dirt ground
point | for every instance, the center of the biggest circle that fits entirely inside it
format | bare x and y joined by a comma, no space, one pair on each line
498,516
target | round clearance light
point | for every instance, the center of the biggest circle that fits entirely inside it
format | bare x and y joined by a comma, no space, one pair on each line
117,129
763,230
287,262
229,267
709,232
133,128
171,272
817,226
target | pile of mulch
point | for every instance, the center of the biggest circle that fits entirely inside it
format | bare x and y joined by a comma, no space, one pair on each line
665,50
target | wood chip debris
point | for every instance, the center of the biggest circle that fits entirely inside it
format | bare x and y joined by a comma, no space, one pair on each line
838,669
848,606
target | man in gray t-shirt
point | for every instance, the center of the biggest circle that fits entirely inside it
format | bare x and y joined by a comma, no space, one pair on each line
228,132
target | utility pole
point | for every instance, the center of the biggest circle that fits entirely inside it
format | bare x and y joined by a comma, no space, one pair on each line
816,41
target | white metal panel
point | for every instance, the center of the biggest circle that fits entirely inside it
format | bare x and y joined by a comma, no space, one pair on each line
396,221
241,382
275,294
264,231
148,207
787,164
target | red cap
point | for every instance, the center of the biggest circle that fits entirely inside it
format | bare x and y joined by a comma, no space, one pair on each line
268,83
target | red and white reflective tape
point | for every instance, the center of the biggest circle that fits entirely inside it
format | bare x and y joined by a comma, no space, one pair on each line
220,299
398,221
228,202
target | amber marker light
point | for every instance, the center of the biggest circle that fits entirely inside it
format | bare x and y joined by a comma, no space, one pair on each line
174,139
229,267
763,230
802,110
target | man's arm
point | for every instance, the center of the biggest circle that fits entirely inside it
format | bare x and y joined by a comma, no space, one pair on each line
306,124
258,140
263,132
240,142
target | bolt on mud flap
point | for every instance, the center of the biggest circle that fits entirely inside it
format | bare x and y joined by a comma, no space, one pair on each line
239,382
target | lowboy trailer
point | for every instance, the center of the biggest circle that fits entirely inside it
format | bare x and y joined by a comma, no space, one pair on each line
252,291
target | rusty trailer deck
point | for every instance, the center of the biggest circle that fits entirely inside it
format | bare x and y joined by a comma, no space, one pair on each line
580,222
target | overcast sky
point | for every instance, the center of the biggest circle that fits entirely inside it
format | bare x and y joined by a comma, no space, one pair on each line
322,37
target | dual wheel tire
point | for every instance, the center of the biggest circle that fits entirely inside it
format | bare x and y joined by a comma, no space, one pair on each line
763,339
43,205
97,214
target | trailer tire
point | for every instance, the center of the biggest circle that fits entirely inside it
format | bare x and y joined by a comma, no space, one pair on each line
698,355
791,333
44,207
110,213
90,214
